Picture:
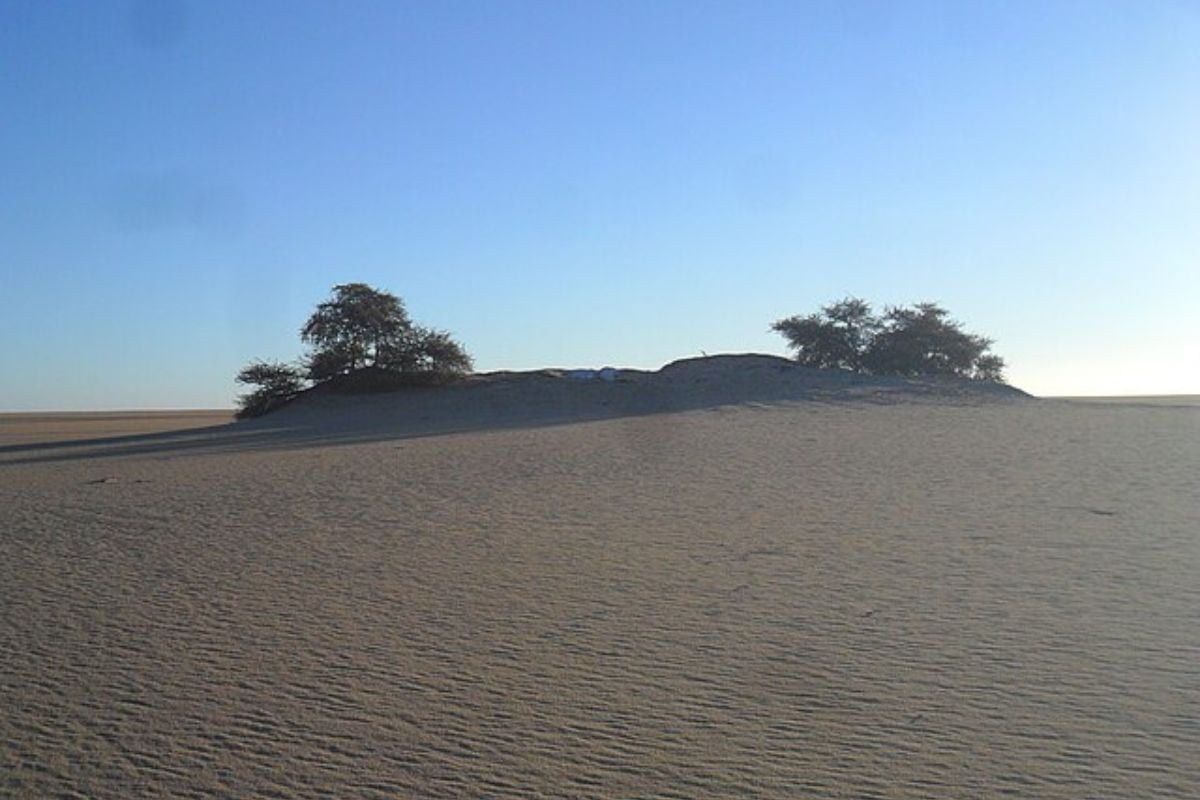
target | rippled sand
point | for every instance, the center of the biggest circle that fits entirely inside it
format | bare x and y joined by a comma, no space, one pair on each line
790,600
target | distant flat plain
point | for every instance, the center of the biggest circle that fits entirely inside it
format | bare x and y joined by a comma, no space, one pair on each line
814,599
34,428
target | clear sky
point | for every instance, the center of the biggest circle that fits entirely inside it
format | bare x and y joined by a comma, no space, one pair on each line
567,183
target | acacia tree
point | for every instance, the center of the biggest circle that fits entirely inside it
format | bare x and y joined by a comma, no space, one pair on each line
909,341
924,340
836,338
427,351
362,327
361,339
348,331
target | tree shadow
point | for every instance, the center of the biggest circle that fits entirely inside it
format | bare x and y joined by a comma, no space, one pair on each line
245,437
213,438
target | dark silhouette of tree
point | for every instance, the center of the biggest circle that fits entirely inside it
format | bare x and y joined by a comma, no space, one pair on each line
277,384
923,340
426,351
836,338
361,327
362,340
348,331
910,341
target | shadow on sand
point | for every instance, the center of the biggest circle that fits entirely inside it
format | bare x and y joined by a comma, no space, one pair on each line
242,437
509,401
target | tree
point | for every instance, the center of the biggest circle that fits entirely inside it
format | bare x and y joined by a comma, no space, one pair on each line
361,340
277,384
923,340
348,331
361,327
426,351
836,338
909,341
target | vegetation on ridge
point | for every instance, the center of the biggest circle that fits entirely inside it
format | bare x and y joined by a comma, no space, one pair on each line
910,341
362,340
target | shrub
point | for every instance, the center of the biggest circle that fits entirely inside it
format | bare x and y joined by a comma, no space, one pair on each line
277,384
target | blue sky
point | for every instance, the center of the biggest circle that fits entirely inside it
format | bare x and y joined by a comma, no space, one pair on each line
589,183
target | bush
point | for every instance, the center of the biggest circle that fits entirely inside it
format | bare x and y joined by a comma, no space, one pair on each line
277,384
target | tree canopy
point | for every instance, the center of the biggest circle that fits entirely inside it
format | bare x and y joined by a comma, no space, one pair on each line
360,338
836,338
362,327
912,341
351,329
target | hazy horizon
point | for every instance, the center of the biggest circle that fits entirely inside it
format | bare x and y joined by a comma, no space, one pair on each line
591,183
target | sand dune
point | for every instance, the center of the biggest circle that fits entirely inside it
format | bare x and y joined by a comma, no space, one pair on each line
547,396
861,594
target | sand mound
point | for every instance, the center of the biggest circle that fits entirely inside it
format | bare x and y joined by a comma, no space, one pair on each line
483,402
548,396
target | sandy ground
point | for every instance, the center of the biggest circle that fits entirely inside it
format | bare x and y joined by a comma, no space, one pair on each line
19,429
812,599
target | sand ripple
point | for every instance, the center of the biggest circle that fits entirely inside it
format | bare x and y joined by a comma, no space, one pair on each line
839,600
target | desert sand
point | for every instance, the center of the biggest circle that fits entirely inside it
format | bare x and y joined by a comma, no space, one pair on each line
652,588
49,428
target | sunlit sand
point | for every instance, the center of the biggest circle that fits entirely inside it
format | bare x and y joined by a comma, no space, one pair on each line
848,595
